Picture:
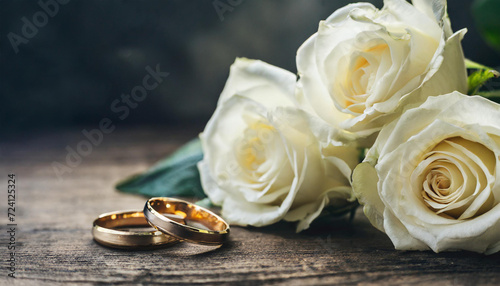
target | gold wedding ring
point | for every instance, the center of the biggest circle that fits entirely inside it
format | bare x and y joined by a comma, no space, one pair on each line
109,230
186,221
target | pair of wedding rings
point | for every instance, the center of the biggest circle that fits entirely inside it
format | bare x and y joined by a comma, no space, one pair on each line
174,220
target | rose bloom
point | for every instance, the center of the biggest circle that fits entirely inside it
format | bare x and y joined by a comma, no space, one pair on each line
431,180
262,163
364,65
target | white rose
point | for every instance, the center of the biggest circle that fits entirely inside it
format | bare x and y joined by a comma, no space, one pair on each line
432,178
364,65
262,162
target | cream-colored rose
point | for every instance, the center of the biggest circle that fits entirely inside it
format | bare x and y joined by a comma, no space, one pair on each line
262,163
364,65
432,178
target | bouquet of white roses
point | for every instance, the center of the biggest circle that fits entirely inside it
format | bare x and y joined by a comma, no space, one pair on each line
385,85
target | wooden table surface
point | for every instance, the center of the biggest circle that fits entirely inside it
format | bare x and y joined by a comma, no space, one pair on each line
54,243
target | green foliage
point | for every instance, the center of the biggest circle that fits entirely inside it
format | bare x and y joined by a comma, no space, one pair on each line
176,175
491,95
205,203
362,154
479,77
486,15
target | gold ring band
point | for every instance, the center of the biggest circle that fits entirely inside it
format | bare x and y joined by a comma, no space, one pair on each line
106,231
186,221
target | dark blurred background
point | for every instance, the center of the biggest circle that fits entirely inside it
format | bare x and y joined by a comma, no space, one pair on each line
67,74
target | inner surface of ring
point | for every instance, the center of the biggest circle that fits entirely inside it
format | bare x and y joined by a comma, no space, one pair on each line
124,220
189,214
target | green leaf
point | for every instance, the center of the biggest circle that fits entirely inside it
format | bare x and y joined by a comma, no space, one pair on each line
330,212
485,13
362,154
176,175
475,66
479,77
336,211
491,95
205,203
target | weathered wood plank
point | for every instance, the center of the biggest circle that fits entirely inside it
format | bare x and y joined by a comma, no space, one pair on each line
54,241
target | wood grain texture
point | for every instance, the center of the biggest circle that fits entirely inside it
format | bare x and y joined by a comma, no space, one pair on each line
55,244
